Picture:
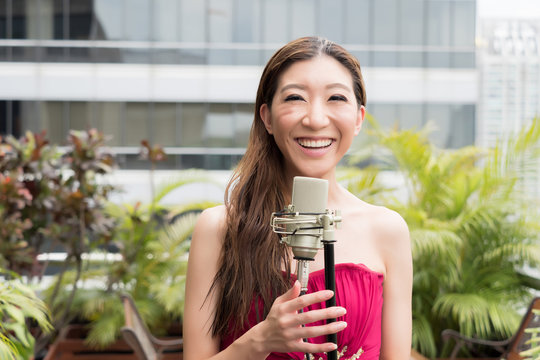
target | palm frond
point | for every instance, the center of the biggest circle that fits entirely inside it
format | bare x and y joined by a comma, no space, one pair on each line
422,338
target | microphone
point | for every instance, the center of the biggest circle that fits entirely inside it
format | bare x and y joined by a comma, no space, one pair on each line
307,226
300,223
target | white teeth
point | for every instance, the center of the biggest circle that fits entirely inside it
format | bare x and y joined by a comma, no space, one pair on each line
314,143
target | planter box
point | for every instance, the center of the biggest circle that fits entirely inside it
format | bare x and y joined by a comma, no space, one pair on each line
69,345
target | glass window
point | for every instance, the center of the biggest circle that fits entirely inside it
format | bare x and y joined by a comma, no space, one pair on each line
28,118
385,114
246,24
164,124
411,116
136,125
303,18
39,22
192,21
275,21
191,126
385,22
331,14
220,20
60,22
438,118
438,20
438,59
137,20
463,23
164,23
109,20
80,19
243,118
411,24
357,22
218,129
79,115
52,114
3,19
108,119
411,58
462,129
385,58
19,17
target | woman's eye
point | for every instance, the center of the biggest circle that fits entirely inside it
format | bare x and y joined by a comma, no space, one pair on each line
338,98
293,98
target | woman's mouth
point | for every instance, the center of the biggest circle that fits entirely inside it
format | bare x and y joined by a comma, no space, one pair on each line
314,144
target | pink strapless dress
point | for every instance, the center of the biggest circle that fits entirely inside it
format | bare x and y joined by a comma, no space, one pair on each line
360,291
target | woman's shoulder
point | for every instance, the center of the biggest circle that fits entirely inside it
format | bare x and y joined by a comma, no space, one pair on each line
386,224
211,223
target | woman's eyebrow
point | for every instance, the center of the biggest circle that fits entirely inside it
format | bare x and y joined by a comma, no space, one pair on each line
292,86
302,87
338,85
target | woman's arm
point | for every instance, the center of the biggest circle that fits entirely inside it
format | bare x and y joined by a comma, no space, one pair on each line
281,331
397,289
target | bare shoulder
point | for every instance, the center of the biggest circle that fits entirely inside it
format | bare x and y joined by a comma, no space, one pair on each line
208,235
388,223
211,221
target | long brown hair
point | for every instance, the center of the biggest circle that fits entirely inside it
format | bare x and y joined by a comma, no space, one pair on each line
252,259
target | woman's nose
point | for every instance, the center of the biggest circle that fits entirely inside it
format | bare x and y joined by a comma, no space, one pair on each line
316,117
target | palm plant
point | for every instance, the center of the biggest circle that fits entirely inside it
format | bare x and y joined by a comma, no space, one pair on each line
471,229
18,305
152,241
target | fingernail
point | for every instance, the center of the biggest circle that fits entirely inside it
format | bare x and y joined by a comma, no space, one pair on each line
341,311
341,325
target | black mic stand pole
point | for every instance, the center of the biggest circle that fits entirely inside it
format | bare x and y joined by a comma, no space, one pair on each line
328,241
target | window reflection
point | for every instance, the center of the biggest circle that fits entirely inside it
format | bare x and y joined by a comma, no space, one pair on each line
275,21
164,124
164,22
331,14
109,19
358,22
137,20
136,126
303,13
218,129
192,122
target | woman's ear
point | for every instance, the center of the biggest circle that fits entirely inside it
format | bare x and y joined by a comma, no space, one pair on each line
264,113
359,119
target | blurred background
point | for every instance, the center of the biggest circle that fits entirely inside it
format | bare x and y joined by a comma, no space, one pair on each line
183,73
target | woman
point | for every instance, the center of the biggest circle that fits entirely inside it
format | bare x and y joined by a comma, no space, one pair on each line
241,300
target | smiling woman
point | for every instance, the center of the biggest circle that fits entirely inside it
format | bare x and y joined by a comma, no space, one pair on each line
314,116
242,302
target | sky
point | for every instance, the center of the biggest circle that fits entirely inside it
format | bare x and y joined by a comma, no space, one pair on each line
508,8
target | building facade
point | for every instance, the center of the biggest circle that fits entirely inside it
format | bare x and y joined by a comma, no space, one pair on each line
509,84
184,73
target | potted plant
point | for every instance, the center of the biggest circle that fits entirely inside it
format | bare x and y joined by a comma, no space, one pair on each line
150,244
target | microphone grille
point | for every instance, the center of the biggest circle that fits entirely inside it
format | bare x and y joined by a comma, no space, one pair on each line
310,194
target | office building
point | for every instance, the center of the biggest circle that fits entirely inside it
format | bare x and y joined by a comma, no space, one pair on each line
183,73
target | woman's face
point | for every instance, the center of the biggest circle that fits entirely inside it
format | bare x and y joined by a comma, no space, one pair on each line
314,116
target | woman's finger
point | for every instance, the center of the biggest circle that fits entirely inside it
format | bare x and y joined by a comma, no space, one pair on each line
315,331
301,302
290,294
312,316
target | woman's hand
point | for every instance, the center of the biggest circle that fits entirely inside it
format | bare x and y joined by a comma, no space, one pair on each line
282,329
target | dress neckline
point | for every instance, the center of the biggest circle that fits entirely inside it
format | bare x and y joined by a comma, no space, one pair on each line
342,266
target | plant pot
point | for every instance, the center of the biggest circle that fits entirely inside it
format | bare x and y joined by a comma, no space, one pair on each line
70,345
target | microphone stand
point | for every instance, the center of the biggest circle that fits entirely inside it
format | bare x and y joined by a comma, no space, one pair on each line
326,222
